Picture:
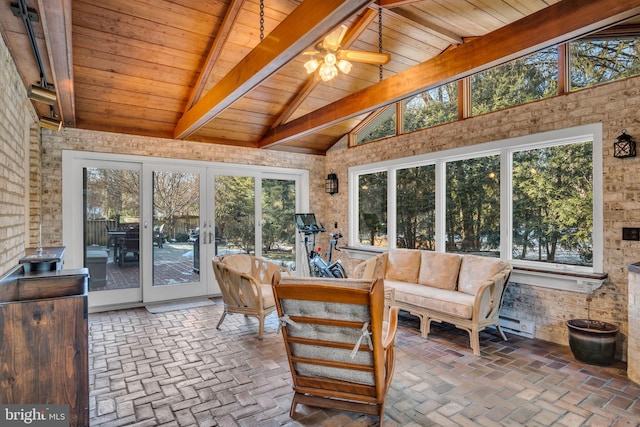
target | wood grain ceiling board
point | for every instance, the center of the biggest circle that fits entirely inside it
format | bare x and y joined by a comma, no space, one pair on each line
136,62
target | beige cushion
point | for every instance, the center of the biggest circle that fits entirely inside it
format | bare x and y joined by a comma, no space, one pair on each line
476,270
403,265
439,270
267,296
375,267
434,299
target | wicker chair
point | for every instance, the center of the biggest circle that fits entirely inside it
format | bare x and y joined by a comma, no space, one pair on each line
245,284
340,348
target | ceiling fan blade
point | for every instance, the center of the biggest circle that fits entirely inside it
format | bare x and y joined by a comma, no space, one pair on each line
374,58
333,39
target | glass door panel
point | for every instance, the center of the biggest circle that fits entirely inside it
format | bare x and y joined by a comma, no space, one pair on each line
176,215
235,214
111,228
171,224
278,224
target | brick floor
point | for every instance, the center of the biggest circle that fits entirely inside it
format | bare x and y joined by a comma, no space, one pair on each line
176,369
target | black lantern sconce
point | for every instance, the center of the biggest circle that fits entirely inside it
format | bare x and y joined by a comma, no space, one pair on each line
624,146
331,184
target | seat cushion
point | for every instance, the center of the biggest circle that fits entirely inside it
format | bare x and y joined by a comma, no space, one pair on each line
403,265
434,299
267,296
475,270
439,270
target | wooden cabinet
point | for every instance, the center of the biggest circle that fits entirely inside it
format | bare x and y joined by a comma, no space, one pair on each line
44,340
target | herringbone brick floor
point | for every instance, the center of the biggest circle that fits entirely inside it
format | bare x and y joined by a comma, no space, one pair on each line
177,369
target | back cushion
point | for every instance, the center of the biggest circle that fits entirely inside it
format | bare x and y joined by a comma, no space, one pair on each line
403,265
439,270
475,270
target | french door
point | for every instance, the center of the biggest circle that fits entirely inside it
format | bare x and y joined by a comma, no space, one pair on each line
149,228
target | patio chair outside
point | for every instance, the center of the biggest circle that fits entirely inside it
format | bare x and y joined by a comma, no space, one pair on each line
340,348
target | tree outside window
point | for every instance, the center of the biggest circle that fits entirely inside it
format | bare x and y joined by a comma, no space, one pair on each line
431,108
473,205
599,61
553,204
416,208
372,203
517,82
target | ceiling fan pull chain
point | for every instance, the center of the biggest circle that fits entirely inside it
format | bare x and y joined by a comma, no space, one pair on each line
380,38
261,20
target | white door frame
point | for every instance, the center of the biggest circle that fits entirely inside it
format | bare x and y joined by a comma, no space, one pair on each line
72,210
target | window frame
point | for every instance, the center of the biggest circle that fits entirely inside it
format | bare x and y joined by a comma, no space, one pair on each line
505,148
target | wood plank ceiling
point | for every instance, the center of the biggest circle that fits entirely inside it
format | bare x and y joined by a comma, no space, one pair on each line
198,70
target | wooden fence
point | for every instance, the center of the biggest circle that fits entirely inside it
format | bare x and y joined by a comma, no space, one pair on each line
96,230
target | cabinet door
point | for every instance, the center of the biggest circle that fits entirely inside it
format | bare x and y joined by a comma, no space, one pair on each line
44,354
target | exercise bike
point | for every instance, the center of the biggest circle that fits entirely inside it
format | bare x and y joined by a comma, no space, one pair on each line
318,267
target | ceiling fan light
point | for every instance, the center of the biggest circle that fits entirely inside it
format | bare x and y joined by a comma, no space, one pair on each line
311,65
344,66
330,59
327,72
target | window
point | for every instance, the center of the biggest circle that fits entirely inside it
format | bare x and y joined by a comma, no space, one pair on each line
416,208
382,125
430,108
596,61
473,206
523,80
530,200
553,204
372,213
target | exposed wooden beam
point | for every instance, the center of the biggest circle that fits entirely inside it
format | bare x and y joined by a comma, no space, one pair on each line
436,30
303,27
353,34
56,23
216,49
555,24
389,4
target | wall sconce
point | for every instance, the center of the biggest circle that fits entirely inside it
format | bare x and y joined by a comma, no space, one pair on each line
624,146
40,94
331,184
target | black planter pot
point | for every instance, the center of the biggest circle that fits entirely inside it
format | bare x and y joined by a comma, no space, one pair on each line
592,341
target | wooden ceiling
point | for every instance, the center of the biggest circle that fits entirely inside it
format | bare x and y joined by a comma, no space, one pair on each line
197,69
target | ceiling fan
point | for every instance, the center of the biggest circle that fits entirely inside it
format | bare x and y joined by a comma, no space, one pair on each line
333,57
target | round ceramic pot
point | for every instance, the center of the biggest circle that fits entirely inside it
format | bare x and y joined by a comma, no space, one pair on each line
592,341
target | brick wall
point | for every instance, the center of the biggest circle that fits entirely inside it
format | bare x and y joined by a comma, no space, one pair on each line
616,105
17,133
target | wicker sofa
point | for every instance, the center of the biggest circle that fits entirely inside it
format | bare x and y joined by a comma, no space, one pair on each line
464,290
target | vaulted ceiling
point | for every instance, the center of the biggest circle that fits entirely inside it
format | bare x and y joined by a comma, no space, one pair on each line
198,70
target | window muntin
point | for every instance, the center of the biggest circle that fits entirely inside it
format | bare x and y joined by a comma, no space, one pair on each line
553,204
488,154
517,82
382,126
594,61
473,206
372,213
430,108
416,208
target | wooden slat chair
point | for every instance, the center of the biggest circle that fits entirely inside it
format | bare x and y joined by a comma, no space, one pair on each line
245,284
340,349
